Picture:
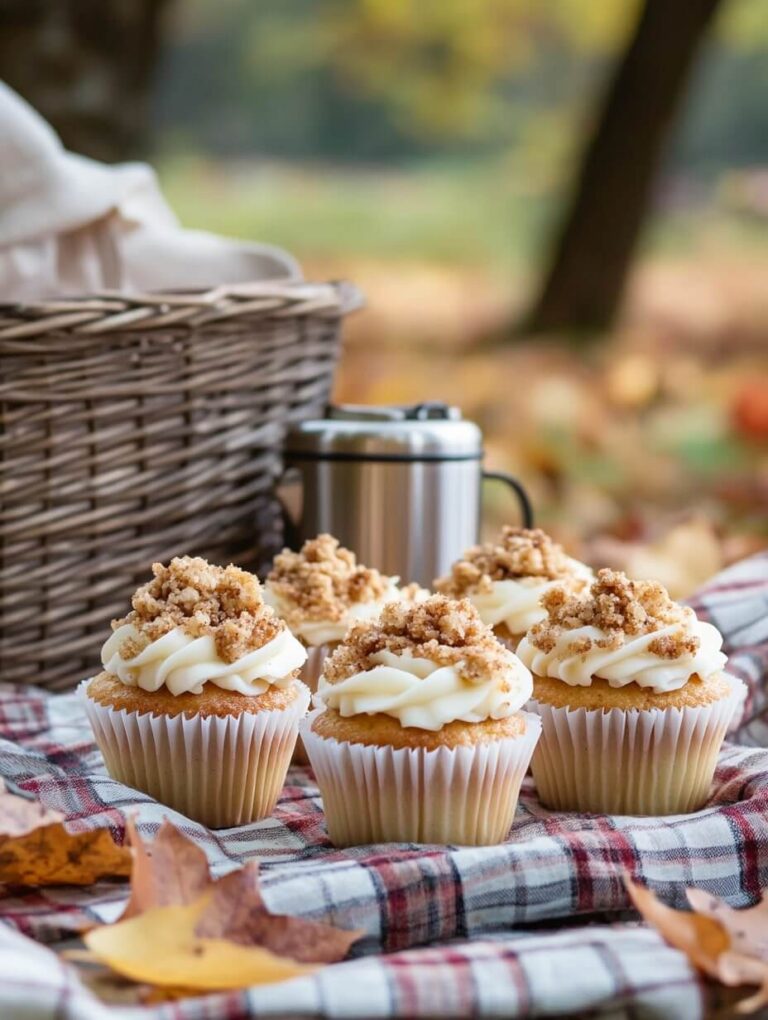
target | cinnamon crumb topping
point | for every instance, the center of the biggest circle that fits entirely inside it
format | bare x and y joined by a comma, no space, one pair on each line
619,608
519,552
202,599
322,580
441,629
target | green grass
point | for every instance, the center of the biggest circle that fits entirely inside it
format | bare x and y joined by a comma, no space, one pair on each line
473,213
467,214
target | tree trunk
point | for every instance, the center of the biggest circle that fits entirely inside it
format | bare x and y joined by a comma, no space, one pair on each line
86,66
592,254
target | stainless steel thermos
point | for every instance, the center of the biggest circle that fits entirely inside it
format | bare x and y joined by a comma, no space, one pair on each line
401,486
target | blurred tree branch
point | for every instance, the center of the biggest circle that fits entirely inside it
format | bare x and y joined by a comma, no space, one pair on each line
592,253
87,66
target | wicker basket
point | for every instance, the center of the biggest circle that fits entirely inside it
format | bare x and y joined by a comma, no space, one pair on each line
136,428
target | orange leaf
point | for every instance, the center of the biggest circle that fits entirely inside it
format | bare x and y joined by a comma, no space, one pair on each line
700,938
707,941
737,969
747,929
36,849
172,870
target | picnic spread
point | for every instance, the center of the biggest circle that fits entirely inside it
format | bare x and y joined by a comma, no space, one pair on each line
536,925
307,786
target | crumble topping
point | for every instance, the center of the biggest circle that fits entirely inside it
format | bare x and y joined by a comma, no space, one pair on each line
519,552
322,580
441,629
620,608
202,599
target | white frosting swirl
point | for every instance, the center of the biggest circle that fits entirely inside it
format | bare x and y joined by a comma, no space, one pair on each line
183,663
516,601
420,693
322,632
633,662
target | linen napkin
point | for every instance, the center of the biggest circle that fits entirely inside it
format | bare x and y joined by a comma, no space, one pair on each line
72,226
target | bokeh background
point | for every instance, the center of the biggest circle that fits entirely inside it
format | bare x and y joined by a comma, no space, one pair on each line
556,208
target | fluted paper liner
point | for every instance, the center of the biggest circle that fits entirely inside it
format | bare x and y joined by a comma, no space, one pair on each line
312,669
310,674
379,794
630,762
220,771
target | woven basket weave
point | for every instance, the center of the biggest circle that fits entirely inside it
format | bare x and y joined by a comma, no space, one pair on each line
137,428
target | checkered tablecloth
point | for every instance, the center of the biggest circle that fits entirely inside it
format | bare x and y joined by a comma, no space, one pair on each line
538,926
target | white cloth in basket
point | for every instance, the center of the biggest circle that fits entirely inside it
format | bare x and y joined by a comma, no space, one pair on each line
72,226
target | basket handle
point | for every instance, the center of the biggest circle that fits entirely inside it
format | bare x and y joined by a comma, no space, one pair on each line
350,296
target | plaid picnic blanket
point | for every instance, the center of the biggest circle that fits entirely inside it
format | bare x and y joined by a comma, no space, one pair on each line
536,926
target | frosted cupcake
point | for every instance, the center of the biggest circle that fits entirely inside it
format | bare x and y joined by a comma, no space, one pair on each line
632,696
504,580
419,736
321,591
199,702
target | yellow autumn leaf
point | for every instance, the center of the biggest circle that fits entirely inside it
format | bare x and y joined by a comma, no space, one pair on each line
160,947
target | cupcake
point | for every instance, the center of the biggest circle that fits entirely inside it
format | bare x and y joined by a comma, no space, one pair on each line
199,702
632,696
504,580
418,736
321,591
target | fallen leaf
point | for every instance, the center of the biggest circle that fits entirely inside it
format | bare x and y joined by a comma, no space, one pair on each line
747,929
184,932
749,411
737,969
705,936
161,947
237,913
700,938
172,870
36,849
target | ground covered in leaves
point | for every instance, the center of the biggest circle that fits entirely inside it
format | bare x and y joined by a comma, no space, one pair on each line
645,450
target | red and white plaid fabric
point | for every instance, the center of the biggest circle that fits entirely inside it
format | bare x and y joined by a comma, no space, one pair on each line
537,926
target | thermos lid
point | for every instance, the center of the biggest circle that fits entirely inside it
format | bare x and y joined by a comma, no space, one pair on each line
428,431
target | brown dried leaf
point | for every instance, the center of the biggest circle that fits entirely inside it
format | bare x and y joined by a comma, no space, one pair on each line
747,929
737,969
36,849
700,938
172,870
706,938
237,913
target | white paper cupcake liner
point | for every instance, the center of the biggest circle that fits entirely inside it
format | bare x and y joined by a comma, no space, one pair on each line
378,794
220,771
312,669
310,674
630,762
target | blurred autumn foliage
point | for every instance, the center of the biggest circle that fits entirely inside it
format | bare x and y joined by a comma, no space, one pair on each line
648,452
439,154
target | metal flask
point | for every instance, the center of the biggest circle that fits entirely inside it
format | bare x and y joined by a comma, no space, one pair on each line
401,486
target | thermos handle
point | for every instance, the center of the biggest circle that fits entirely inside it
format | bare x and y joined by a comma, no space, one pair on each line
290,526
526,510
